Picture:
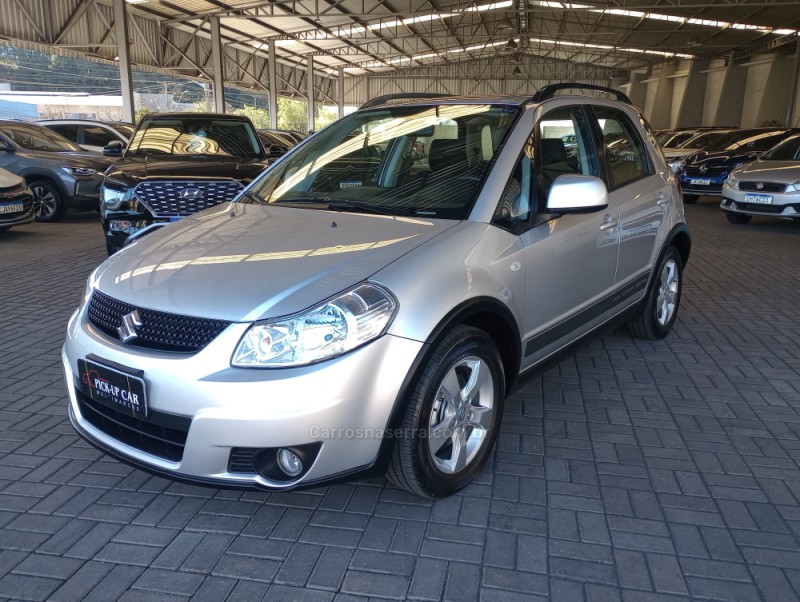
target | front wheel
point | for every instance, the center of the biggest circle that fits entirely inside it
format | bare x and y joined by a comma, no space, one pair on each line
49,204
690,199
453,416
662,301
738,218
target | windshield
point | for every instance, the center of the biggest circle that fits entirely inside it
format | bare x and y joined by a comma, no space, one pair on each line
761,142
788,150
195,137
702,140
421,160
38,138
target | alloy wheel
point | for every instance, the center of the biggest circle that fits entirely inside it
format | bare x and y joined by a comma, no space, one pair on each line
46,202
668,288
461,415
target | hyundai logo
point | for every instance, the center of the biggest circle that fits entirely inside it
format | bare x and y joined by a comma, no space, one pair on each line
190,193
130,322
760,186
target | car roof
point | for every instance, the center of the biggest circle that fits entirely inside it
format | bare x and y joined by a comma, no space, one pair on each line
101,121
195,116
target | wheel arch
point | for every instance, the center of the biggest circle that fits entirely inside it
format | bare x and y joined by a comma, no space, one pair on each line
34,175
484,313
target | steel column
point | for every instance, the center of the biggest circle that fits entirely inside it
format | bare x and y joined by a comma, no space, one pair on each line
790,116
340,94
272,74
123,44
310,82
218,58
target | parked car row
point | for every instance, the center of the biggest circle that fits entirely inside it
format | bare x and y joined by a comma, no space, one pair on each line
168,167
755,171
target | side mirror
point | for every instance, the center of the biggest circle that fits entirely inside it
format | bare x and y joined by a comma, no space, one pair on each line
577,194
114,149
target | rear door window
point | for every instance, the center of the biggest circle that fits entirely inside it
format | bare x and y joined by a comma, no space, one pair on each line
70,132
626,157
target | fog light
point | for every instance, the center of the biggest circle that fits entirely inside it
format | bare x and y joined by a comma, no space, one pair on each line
289,462
119,225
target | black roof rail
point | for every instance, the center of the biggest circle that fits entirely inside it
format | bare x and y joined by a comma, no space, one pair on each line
380,100
550,91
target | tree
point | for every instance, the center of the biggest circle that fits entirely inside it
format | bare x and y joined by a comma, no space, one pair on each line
259,117
292,114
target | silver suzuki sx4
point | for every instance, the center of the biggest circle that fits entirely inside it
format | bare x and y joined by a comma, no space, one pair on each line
369,301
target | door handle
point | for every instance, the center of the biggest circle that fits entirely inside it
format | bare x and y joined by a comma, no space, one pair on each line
608,224
662,200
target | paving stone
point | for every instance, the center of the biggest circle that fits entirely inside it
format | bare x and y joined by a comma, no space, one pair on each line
632,470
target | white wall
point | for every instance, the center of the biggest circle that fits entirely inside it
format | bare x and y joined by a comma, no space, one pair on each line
757,74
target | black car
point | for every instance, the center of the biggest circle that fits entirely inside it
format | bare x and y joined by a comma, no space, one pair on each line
277,142
16,201
704,173
59,172
177,164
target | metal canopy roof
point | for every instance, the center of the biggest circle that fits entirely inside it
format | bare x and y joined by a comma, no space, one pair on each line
409,38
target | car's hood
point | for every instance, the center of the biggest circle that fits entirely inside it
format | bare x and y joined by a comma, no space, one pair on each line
785,172
8,179
246,262
722,158
132,170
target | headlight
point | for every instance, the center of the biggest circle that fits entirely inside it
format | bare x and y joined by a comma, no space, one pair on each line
682,165
731,180
80,171
796,185
112,198
327,331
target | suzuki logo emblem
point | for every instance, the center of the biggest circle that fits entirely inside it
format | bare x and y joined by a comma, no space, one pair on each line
760,186
190,193
130,322
703,169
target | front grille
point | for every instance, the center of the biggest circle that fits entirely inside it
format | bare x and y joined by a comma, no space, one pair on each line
160,434
710,172
241,460
759,208
765,186
159,330
163,198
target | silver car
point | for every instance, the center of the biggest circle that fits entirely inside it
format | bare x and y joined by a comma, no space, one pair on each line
364,307
770,186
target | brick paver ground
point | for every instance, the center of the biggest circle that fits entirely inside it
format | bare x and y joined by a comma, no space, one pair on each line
632,471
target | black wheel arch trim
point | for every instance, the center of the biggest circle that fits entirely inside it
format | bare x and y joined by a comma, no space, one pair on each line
31,175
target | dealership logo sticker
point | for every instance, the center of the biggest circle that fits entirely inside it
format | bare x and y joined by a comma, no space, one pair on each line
130,322
190,193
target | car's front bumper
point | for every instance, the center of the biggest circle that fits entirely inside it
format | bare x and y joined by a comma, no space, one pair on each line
83,192
17,218
783,204
702,185
343,404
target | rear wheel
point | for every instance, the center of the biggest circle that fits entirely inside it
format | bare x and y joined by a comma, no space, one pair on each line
662,301
50,205
453,416
738,218
690,199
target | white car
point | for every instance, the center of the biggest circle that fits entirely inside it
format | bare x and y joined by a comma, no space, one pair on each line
769,186
91,135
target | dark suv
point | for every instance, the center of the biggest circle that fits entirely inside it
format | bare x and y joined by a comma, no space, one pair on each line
177,164
60,173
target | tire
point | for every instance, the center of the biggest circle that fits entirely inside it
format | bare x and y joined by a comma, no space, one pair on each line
662,301
738,218
429,465
690,199
50,205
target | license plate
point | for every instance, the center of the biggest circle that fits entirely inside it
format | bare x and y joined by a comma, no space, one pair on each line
117,389
10,207
761,199
702,182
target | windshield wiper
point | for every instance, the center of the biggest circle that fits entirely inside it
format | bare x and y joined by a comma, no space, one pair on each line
337,205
